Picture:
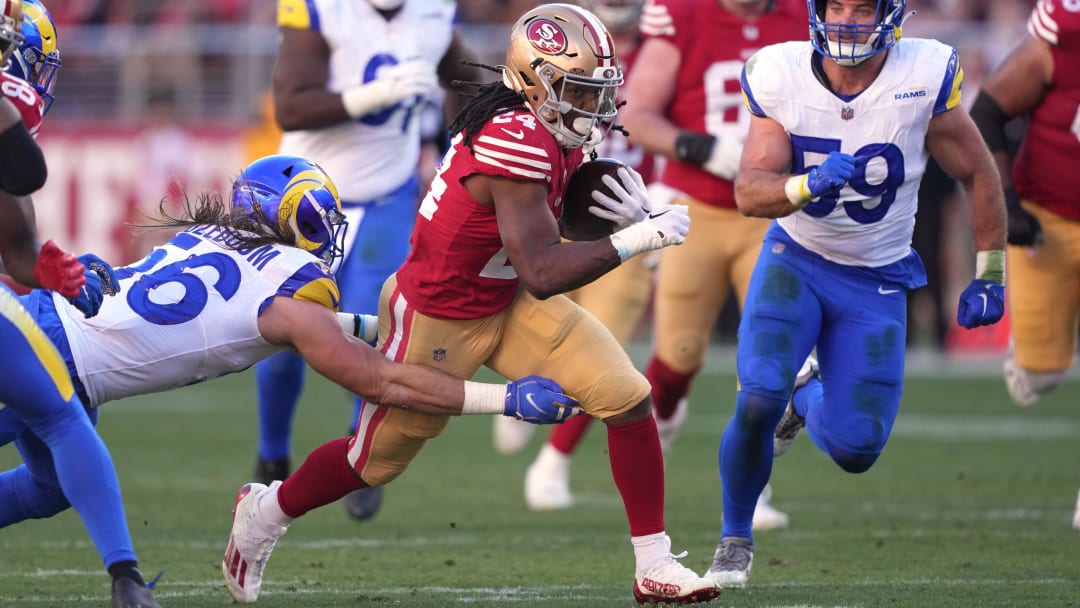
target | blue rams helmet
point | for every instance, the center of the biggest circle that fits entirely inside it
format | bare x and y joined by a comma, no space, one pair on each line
10,32
37,59
844,47
293,196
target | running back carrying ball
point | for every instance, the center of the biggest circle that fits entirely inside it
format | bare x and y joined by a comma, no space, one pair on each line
577,223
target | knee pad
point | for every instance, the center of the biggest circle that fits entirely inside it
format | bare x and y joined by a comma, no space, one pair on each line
767,377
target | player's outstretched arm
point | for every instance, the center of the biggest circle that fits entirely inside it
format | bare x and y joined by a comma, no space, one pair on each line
315,332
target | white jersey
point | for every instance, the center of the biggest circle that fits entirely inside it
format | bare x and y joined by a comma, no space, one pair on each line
188,312
884,128
374,155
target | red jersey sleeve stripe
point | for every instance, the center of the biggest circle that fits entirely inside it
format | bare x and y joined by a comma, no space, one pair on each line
1042,26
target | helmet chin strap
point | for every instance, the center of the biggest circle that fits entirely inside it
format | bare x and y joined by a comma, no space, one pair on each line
845,54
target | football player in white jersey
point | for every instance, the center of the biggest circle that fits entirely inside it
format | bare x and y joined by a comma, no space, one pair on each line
841,131
36,393
349,84
228,290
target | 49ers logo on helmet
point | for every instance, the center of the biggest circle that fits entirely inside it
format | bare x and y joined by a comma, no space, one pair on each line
547,37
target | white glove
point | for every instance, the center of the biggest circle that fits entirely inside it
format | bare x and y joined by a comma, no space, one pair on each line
415,78
631,204
724,159
666,226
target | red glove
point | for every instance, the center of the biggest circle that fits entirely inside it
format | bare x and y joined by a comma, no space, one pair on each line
59,271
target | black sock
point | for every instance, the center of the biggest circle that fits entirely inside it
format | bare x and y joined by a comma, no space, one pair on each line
127,569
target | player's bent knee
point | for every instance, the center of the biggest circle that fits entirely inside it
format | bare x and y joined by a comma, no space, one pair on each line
48,502
860,444
392,445
853,462
755,411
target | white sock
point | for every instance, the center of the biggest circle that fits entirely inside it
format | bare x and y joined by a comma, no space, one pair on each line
650,549
270,510
551,458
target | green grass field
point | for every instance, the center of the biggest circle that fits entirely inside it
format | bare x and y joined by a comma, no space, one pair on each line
970,505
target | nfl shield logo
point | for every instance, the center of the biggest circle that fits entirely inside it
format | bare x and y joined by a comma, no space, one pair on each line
847,112
439,354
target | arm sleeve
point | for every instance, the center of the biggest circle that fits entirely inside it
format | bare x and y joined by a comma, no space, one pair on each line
22,165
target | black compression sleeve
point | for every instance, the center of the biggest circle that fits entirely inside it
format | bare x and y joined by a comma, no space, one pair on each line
990,119
694,148
22,165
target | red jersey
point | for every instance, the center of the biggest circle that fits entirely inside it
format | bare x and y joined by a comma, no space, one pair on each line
1046,167
458,267
714,45
25,98
617,146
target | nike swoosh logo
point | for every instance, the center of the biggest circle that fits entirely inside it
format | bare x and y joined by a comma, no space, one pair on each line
532,402
333,301
653,216
983,296
519,134
881,289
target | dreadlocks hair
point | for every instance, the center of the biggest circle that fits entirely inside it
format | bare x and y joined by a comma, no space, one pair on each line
243,231
490,99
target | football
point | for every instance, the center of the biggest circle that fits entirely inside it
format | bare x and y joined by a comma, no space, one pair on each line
576,223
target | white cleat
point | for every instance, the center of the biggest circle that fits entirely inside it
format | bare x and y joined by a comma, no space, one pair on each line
732,562
511,435
669,582
250,543
547,481
766,517
669,429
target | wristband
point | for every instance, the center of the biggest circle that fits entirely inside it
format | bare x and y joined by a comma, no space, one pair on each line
364,99
694,148
990,265
483,398
795,189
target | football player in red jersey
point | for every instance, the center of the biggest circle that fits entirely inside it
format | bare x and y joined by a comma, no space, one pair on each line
38,389
617,299
482,285
1039,79
686,105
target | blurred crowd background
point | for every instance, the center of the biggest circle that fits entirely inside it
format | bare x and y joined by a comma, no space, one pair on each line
161,98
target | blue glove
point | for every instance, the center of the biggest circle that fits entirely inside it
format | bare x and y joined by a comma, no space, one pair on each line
830,176
981,303
538,400
100,281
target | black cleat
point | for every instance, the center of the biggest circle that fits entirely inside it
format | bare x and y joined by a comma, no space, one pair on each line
364,503
127,593
269,471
